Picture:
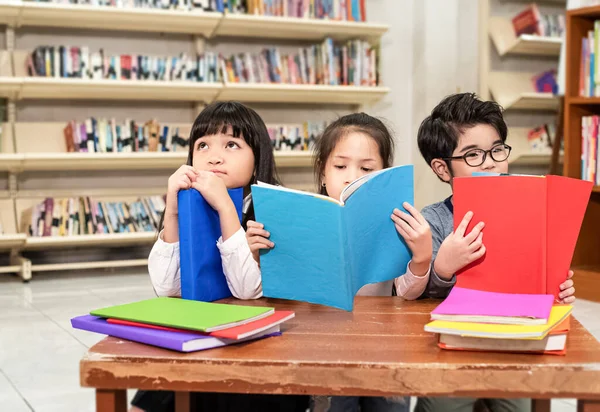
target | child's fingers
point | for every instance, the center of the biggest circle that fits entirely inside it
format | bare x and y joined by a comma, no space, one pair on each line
478,254
190,174
254,231
407,218
257,240
405,226
401,231
475,232
415,213
568,300
462,226
570,274
566,293
476,244
252,223
566,285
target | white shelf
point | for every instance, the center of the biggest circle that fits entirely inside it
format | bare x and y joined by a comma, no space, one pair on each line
116,239
113,18
244,25
206,24
290,93
513,90
503,36
13,241
106,264
51,88
10,87
17,163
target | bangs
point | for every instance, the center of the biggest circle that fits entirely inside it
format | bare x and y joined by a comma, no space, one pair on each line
219,119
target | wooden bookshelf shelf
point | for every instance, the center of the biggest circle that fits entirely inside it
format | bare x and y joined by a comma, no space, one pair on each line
113,239
243,25
50,88
34,14
17,163
12,241
289,93
584,100
503,36
10,87
513,90
106,264
206,24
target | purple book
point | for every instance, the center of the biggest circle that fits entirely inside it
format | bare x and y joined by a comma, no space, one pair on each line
178,341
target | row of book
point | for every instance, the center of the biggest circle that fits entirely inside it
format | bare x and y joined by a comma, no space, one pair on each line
589,66
531,21
86,216
346,10
541,138
101,135
80,63
354,63
109,136
184,325
590,154
475,320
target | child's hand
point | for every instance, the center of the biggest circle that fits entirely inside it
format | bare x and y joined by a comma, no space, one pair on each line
567,294
213,189
458,250
416,232
258,238
180,180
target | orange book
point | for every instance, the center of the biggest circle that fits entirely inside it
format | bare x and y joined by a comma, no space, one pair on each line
531,228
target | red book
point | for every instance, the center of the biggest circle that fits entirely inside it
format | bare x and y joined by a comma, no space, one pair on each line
528,22
531,228
235,333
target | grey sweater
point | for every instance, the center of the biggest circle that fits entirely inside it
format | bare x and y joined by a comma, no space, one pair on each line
440,217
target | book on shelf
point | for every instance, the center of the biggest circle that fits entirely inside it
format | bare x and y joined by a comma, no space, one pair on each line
86,216
590,150
344,10
589,65
231,6
71,62
99,135
531,21
295,137
541,138
354,63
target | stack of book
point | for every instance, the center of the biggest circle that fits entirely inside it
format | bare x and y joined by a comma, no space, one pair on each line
86,216
531,21
589,149
184,325
500,322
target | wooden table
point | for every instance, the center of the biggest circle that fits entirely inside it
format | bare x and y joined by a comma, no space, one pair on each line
380,349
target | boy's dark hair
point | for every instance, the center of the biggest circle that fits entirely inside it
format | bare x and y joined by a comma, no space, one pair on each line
355,122
439,132
216,118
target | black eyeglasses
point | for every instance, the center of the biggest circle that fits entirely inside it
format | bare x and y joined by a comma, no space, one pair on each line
476,157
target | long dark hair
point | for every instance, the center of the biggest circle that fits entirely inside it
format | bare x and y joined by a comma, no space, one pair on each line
245,122
355,122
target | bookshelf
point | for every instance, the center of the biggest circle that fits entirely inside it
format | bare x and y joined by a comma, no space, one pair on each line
34,148
507,65
586,260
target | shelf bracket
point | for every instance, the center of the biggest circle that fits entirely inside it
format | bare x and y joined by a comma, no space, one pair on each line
17,260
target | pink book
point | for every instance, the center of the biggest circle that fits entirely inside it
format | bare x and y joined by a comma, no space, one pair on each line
467,305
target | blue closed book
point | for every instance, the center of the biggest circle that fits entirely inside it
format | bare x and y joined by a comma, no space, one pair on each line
202,276
325,249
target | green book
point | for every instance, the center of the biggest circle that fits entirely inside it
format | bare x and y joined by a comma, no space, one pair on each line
185,314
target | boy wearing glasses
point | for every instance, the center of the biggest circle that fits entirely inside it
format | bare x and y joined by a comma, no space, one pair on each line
463,135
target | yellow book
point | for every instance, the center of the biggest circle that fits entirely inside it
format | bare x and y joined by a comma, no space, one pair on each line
488,330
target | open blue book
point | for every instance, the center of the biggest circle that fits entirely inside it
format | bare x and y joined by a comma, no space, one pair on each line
202,276
325,249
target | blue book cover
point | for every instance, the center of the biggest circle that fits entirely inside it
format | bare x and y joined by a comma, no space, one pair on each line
202,275
325,249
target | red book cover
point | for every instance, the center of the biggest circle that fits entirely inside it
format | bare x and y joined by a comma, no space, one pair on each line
236,333
528,21
531,228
